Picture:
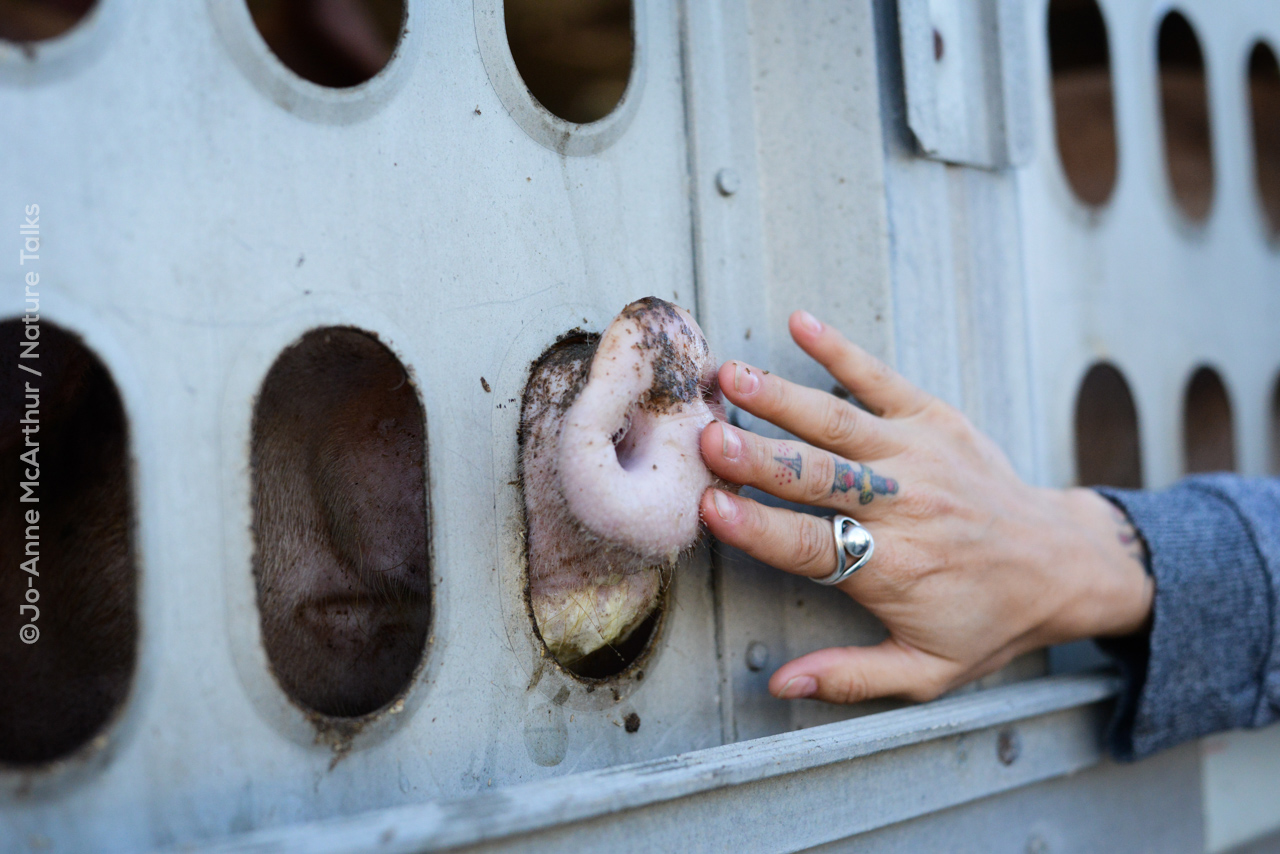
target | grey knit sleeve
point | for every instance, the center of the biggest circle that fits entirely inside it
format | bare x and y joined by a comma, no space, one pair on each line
1211,661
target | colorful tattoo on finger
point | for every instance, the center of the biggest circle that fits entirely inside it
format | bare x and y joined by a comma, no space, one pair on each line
860,478
791,463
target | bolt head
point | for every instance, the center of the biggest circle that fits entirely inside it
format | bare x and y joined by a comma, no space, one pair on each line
1008,746
757,656
727,182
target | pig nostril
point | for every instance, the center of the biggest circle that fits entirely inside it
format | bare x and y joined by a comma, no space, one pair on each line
340,522
624,442
68,609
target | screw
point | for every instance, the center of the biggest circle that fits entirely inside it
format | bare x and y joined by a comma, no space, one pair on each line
757,656
727,182
1008,746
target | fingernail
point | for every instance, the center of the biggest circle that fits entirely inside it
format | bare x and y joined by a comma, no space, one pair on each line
745,380
810,323
725,506
730,442
798,687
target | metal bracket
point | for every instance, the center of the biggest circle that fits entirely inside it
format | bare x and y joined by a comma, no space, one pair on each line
967,78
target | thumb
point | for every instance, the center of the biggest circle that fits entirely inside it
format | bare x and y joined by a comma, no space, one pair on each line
851,674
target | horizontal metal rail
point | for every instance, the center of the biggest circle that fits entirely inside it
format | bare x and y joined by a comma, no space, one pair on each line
857,775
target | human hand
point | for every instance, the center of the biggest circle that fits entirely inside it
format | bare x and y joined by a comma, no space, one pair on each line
972,566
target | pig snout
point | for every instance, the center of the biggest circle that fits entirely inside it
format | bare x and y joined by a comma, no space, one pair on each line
340,517
75,544
612,473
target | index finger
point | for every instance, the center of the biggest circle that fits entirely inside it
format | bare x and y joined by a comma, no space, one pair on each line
870,380
817,417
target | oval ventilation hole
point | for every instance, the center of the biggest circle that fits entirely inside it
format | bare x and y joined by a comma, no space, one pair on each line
595,609
1184,103
1274,427
1083,102
1264,91
68,604
340,523
37,20
1206,421
574,55
1108,450
335,43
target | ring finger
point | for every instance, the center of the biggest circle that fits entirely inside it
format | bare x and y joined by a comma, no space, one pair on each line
794,542
793,471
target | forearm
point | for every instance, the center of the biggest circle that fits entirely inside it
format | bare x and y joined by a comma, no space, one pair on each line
1211,659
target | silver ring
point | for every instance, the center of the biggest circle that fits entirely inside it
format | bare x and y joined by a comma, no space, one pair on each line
854,547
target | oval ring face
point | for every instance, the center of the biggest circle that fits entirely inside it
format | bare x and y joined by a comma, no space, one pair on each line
562,137
855,540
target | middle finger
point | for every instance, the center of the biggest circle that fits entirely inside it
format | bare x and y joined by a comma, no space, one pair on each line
794,471
814,416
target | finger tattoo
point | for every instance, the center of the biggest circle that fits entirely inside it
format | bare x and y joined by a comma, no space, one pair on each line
790,460
868,484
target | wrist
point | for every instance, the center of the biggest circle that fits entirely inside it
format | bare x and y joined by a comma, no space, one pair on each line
1110,592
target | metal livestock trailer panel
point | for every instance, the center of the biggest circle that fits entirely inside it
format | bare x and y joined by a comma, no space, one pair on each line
889,165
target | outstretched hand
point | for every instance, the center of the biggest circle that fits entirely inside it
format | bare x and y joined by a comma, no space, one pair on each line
972,566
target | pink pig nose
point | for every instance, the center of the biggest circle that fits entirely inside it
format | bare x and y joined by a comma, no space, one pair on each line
630,469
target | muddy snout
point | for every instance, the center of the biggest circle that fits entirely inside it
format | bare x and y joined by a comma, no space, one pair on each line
612,475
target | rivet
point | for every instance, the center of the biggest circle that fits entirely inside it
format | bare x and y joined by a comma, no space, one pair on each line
757,656
727,182
1008,746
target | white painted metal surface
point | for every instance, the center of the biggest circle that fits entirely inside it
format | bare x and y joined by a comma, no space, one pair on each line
1139,285
965,69
1241,799
735,797
204,208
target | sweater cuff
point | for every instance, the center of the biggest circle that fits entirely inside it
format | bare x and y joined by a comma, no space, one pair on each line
1200,669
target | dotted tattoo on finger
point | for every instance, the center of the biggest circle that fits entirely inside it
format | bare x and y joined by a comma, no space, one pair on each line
792,464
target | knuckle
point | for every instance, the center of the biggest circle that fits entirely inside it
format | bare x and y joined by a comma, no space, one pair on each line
841,423
851,687
932,502
822,472
815,548
949,419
